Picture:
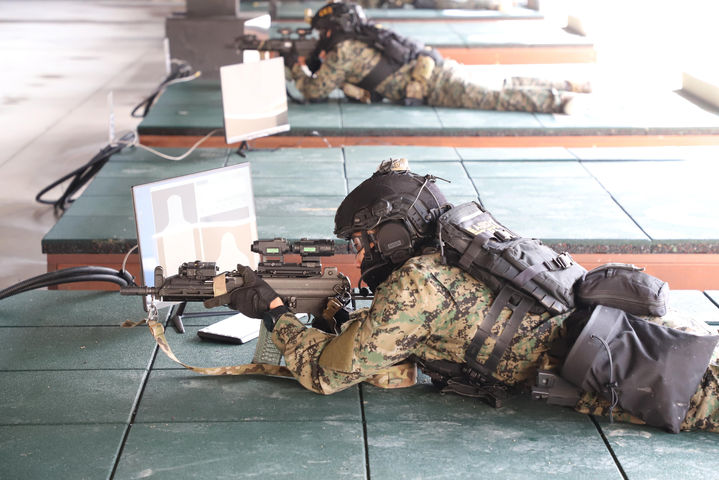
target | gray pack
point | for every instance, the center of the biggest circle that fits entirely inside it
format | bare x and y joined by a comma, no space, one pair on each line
472,239
623,286
647,369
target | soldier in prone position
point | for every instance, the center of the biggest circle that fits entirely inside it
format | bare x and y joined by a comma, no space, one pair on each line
432,312
370,64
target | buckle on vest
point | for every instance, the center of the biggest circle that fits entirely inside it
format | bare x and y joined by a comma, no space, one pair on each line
563,260
554,389
502,236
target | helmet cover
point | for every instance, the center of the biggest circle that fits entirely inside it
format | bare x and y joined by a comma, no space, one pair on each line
395,210
339,16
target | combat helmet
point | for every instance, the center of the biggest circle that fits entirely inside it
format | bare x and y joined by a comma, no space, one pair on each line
395,211
345,17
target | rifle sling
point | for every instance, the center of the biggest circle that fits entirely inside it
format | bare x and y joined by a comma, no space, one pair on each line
397,376
158,332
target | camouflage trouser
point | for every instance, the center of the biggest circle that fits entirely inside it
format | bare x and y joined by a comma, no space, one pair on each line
532,82
449,88
703,411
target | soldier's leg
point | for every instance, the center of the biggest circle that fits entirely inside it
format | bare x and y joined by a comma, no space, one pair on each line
564,85
703,413
450,88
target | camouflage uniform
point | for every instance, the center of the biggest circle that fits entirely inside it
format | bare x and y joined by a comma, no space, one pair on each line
351,60
432,311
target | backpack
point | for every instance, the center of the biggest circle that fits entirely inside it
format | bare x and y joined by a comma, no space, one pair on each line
525,275
472,239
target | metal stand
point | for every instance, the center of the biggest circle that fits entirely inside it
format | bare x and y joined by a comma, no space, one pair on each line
177,313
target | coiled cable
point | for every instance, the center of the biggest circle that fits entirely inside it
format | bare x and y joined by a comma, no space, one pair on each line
122,278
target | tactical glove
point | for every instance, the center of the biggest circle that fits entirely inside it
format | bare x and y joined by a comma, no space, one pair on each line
313,63
270,317
254,297
290,57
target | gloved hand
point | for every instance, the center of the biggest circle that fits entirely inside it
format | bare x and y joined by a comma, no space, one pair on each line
313,63
254,297
290,57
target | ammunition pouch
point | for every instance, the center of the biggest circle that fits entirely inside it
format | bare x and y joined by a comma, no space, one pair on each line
648,370
625,287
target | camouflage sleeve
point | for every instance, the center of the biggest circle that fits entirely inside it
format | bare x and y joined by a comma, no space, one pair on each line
386,333
330,76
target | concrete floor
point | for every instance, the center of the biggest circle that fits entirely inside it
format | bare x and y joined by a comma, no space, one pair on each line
61,60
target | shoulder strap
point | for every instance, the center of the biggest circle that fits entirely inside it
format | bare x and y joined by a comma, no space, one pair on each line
382,70
519,304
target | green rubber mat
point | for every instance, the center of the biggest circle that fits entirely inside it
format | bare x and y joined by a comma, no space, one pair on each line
296,11
179,112
66,415
584,200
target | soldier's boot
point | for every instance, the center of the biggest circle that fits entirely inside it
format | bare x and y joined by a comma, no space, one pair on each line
576,103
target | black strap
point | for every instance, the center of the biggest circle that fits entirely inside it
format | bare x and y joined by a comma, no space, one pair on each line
519,304
473,250
560,262
382,70
528,274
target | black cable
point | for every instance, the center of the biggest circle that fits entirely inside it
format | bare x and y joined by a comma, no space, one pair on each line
178,69
76,271
81,176
71,275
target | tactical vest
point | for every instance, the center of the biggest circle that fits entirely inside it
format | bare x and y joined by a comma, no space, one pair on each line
638,365
525,275
396,51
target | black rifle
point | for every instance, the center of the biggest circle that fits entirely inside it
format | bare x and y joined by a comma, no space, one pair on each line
303,287
296,42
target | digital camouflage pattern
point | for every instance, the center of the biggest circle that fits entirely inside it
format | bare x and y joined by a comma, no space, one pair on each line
432,311
351,60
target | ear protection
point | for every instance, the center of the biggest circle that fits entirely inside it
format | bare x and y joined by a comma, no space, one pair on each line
394,241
